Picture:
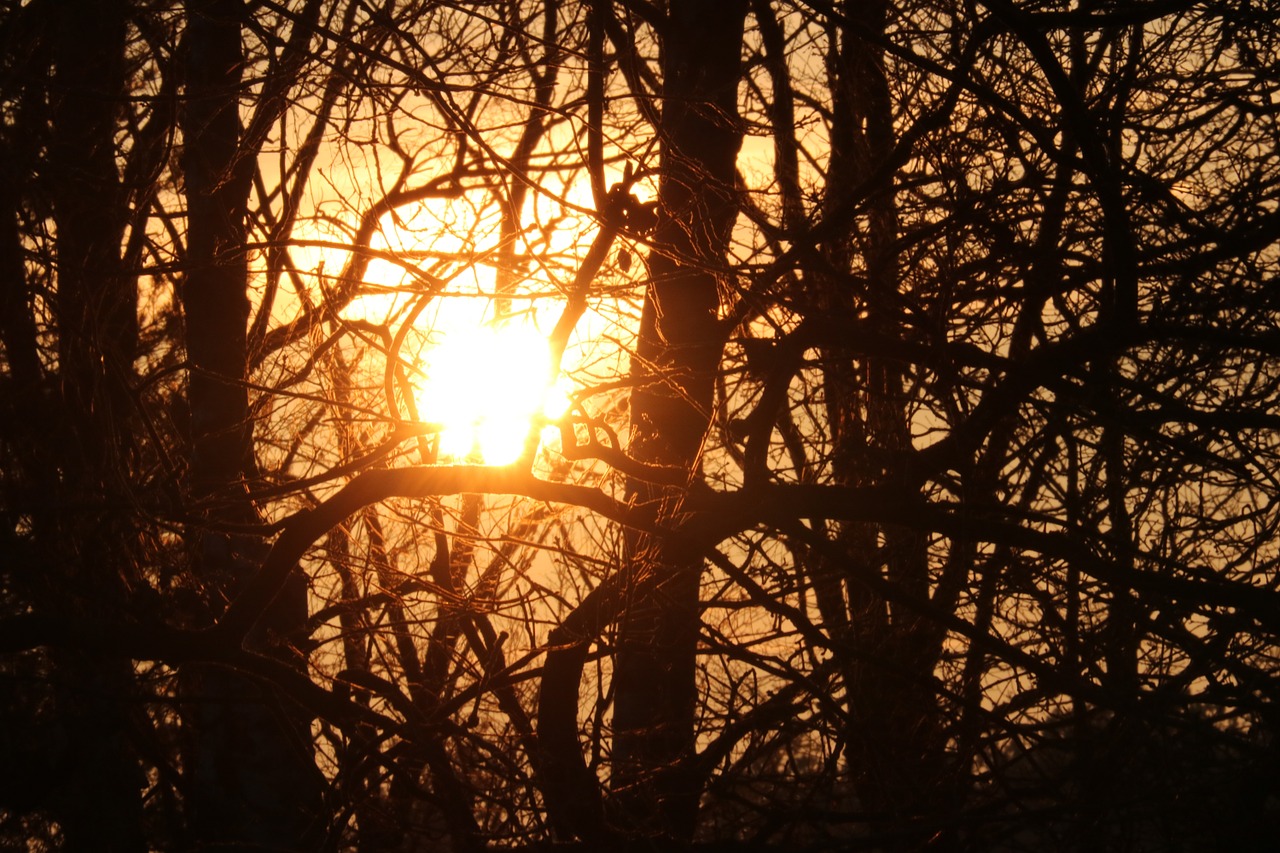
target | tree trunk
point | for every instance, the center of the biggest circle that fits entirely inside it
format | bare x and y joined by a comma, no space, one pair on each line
99,804
894,739
673,372
253,782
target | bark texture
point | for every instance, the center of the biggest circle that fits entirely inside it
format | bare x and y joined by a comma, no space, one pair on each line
673,372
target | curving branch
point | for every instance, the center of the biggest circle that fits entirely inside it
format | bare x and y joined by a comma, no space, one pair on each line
306,527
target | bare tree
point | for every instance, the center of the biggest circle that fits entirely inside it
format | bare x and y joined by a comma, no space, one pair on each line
915,486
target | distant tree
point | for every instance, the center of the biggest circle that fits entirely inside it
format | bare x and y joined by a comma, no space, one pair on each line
916,485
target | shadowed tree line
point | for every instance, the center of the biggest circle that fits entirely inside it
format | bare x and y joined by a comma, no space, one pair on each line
917,487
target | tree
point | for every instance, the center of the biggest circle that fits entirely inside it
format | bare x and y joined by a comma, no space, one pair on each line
914,485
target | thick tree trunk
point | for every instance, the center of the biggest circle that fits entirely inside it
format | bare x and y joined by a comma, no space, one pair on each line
674,378
253,782
99,804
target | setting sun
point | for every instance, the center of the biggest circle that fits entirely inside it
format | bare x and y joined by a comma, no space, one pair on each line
485,386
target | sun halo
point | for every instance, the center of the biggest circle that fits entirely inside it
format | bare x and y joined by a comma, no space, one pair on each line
485,386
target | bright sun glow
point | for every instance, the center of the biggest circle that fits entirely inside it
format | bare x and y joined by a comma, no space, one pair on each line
485,386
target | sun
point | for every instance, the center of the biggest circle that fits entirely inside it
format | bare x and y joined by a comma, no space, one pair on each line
486,386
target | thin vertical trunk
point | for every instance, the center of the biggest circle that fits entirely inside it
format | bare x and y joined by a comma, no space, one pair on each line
214,296
894,740
674,378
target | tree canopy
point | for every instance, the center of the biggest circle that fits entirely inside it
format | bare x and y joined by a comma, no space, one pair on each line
639,424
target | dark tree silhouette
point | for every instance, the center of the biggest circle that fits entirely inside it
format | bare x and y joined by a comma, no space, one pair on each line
916,487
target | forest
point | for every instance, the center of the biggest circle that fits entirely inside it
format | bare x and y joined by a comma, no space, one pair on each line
639,425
